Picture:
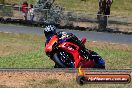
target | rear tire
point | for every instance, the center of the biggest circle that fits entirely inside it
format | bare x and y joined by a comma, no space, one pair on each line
97,59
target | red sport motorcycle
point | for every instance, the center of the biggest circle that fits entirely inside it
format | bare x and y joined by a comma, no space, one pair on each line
66,54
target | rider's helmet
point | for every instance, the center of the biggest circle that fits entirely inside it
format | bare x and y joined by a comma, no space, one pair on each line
49,31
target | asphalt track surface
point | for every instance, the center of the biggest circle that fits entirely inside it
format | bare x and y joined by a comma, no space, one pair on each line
90,35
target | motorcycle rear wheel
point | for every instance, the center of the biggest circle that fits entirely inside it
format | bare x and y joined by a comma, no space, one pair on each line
97,58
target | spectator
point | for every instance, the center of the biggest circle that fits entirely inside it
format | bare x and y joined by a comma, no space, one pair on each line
108,6
31,13
104,9
101,7
25,9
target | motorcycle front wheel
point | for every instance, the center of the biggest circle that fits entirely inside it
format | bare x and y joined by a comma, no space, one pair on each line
62,60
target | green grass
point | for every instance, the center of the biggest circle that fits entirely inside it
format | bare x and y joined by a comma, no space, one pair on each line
115,57
119,7
16,55
27,51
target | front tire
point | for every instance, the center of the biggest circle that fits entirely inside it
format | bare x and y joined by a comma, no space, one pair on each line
58,63
57,66
63,60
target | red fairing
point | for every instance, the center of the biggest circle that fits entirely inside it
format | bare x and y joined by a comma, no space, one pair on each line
65,46
79,61
48,47
72,49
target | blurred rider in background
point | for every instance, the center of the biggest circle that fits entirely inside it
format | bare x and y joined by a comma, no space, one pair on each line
50,31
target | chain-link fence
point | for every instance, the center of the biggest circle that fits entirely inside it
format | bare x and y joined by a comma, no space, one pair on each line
74,18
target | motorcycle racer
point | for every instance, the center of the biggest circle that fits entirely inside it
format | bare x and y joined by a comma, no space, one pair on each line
62,37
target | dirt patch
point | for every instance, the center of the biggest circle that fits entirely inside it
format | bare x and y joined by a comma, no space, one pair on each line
20,79
85,24
122,28
112,27
17,14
